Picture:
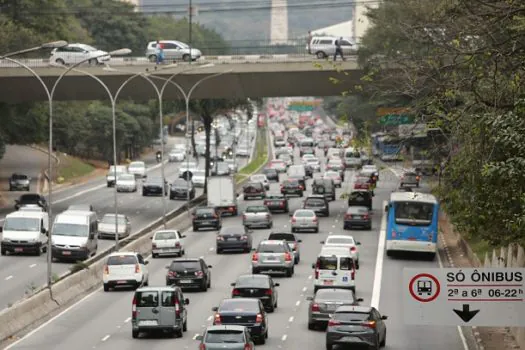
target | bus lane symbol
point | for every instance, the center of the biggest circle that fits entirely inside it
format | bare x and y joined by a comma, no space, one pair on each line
424,287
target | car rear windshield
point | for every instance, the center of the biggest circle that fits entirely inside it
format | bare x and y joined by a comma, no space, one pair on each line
204,212
348,240
232,230
122,260
333,295
30,197
19,177
327,263
256,209
314,203
224,336
166,235
351,316
304,214
185,265
252,282
147,299
281,236
271,248
240,305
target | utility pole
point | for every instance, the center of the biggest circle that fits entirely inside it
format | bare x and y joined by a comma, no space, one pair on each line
189,34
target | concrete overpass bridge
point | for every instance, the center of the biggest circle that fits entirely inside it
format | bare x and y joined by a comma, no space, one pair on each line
244,77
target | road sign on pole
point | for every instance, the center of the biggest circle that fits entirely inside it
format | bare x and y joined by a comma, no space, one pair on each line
464,297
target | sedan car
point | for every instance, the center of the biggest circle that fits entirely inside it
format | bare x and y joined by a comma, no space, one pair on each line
206,217
187,168
276,202
232,164
227,337
189,273
360,198
138,169
262,179
273,256
167,242
345,242
317,203
286,158
199,178
220,169
254,189
291,239
325,302
257,216
181,188
154,185
257,286
271,174
410,178
357,217
126,183
107,229
362,183
177,155
279,165
248,312
19,182
335,176
356,326
76,53
314,164
235,237
292,186
304,220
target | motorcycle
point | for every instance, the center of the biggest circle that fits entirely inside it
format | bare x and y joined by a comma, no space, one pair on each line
159,157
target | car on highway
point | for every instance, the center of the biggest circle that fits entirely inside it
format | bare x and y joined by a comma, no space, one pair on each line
81,207
409,178
232,165
181,189
167,242
360,198
257,286
242,151
334,268
279,141
125,269
370,169
286,158
156,309
31,207
273,256
262,179
314,164
19,182
230,337
234,237
257,216
271,174
206,217
189,273
325,302
306,157
173,50
336,165
325,188
187,168
25,232
254,189
357,217
356,326
138,168
247,312
306,150
335,176
77,53
293,186
362,183
177,155
113,173
199,178
154,185
126,183
291,239
278,164
107,229
304,220
276,202
318,203
219,169
344,241
31,198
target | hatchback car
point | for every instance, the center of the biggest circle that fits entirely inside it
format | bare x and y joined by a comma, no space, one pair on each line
235,237
318,204
325,302
206,217
227,337
126,183
154,185
335,176
257,286
304,220
138,169
167,242
19,182
173,51
346,242
292,186
248,312
276,202
271,174
360,198
257,216
180,189
291,239
357,217
410,178
356,326
262,179
108,225
273,256
189,273
125,269
76,53
254,189
279,165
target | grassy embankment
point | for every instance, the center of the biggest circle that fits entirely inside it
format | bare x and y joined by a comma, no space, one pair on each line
260,157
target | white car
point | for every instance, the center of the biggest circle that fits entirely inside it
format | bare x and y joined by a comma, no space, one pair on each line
371,170
167,242
344,241
262,179
187,166
199,178
138,169
177,155
75,53
306,157
125,269
335,176
314,164
126,183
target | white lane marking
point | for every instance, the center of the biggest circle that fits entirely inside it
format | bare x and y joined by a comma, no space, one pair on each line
378,274
298,302
195,336
32,265
310,277
210,318
284,337
333,226
304,289
285,226
8,277
211,249
106,337
127,320
290,319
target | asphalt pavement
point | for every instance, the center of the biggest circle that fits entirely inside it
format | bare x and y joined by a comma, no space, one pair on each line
102,320
21,274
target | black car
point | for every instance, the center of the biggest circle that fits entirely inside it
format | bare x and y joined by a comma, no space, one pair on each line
154,185
180,188
256,286
318,204
19,182
293,186
271,174
189,273
325,302
360,198
236,237
324,187
31,198
357,217
248,312
276,202
254,189
206,217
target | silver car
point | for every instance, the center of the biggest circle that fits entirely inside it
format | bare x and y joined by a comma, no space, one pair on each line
173,51
335,176
199,178
257,216
126,183
106,226
303,220
273,256
325,302
292,241
177,155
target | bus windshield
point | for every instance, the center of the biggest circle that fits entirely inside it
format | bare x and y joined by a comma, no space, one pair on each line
414,213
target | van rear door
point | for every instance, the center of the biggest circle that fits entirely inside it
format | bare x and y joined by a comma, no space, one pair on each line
346,272
168,311
147,308
327,268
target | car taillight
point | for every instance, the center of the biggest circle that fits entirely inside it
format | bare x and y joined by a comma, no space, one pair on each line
244,217
333,323
315,307
154,245
199,273
248,347
417,178
369,324
267,216
294,220
366,217
352,275
315,219
177,245
172,274
353,249
220,238
137,268
316,273
236,292
348,216
287,256
106,269
301,187
202,347
215,216
177,308
266,203
217,319
255,257
268,292
134,308
259,318
282,204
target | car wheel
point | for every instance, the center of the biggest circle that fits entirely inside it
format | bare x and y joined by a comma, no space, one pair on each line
311,326
271,308
154,256
135,334
186,58
195,228
60,61
383,342
357,265
289,272
3,251
144,193
255,271
179,333
301,194
152,58
93,62
204,287
219,251
106,287
329,346
316,230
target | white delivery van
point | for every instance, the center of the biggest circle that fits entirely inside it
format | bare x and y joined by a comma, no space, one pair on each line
74,235
334,268
221,194
25,232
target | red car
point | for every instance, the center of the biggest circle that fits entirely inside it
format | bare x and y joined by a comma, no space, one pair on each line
362,183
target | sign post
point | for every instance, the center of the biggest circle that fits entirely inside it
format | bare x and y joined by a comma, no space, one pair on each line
464,297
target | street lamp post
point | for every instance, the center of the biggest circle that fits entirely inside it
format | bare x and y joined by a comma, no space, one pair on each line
49,45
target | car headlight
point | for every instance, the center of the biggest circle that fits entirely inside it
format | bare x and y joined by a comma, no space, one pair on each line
6,240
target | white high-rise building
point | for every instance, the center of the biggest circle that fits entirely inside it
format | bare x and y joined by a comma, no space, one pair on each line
361,23
279,22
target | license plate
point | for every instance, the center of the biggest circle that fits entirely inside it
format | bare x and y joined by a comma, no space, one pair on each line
331,307
357,217
186,281
18,250
207,222
66,253
275,203
232,239
148,323
328,282
271,258
121,282
350,339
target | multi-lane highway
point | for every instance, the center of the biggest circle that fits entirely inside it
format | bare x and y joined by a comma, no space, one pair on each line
21,275
102,320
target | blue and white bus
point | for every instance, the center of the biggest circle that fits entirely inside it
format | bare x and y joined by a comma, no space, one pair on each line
412,223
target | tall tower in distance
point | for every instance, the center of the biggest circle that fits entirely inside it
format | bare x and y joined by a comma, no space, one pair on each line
279,22
360,22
